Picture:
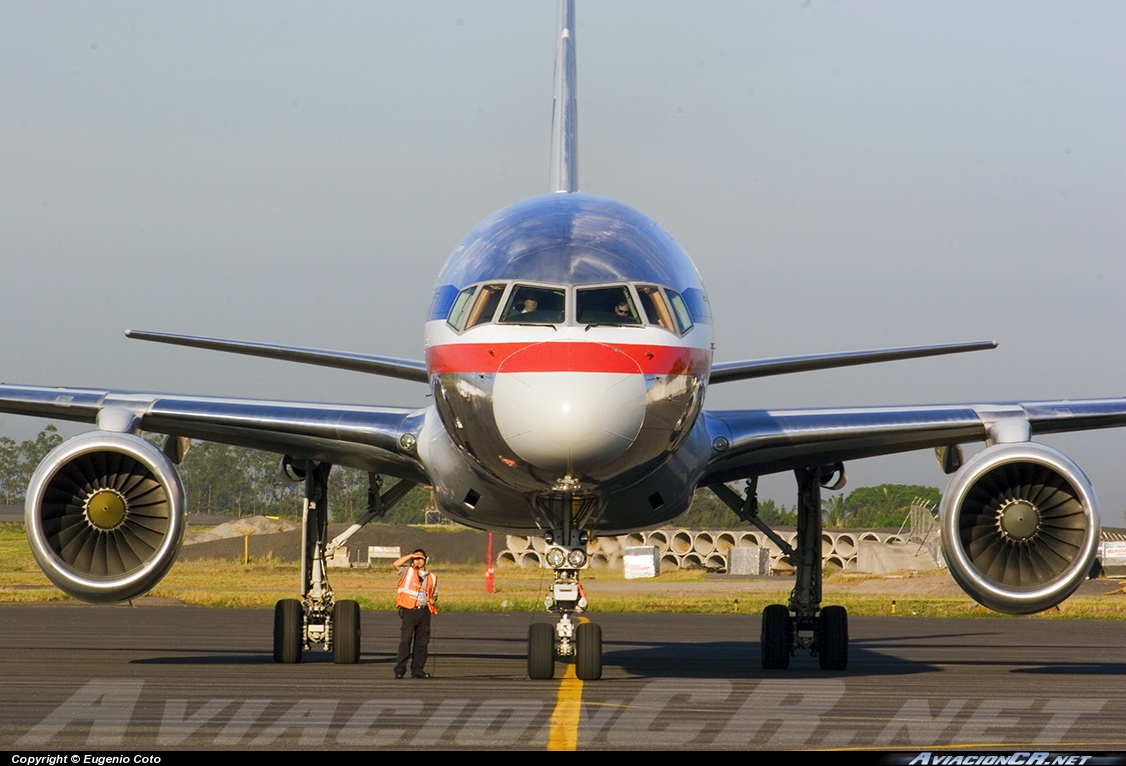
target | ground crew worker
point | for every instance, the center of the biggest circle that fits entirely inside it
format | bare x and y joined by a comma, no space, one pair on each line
417,600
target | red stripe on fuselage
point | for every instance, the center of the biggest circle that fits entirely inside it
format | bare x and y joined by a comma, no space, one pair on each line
567,356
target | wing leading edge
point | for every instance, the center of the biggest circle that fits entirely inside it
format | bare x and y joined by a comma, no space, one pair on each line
757,442
357,436
725,372
406,369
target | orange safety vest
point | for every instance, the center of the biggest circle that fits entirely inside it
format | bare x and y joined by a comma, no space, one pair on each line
409,587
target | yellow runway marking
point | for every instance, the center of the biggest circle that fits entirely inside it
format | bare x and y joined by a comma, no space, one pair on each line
563,734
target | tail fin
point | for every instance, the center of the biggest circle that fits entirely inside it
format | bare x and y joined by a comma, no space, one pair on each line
564,118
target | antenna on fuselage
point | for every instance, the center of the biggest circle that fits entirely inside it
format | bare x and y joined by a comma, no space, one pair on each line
564,118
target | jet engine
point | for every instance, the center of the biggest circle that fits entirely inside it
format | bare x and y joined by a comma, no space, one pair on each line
105,516
1020,528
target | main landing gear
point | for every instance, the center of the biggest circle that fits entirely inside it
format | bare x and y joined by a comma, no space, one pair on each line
317,618
803,623
570,636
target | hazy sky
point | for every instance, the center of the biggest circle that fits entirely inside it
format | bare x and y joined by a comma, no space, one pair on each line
846,175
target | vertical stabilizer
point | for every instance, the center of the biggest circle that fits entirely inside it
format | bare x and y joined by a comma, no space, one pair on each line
564,118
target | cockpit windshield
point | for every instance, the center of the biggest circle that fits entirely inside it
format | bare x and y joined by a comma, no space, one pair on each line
605,305
530,304
621,305
485,306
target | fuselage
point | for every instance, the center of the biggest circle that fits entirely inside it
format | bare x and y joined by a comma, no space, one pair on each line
568,346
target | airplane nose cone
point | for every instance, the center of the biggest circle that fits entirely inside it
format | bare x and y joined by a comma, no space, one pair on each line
568,420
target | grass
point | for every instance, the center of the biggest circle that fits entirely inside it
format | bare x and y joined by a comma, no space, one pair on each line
224,583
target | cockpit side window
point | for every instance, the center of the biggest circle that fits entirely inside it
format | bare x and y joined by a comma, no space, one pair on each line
656,308
485,306
530,304
457,311
680,309
605,305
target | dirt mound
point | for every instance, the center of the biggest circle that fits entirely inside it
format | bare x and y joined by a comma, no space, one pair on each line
463,546
253,525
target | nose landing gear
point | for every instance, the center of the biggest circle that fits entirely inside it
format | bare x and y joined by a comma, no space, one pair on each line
566,555
571,636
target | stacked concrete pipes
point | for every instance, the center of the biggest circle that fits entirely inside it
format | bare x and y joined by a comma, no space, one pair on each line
696,549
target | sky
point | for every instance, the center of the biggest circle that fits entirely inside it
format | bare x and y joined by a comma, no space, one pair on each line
845,175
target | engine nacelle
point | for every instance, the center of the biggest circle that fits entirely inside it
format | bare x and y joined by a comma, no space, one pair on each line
105,516
1020,527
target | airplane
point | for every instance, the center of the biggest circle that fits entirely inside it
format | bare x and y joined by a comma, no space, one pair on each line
568,350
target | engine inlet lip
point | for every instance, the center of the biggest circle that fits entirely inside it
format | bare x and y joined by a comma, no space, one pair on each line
98,588
982,588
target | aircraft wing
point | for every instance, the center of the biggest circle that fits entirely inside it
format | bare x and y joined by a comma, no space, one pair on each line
757,442
356,436
406,369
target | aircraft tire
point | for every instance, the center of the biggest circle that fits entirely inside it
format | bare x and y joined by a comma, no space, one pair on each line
832,639
588,651
289,621
345,632
775,638
541,651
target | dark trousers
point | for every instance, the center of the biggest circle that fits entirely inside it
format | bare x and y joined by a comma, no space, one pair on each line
416,630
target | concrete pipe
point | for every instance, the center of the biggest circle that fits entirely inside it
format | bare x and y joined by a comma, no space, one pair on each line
724,541
506,559
826,543
751,540
670,561
530,560
634,540
660,539
835,561
692,561
846,545
600,560
780,564
608,545
703,543
538,544
681,542
716,562
791,538
517,543
766,542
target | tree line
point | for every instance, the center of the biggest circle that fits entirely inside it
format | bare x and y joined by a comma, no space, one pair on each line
224,480
19,460
864,508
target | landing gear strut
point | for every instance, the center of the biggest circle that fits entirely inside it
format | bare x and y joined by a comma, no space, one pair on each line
317,617
571,636
803,623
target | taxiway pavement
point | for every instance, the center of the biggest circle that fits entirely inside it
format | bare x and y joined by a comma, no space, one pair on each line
177,677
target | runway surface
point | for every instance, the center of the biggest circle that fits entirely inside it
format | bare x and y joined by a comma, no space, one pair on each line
176,677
